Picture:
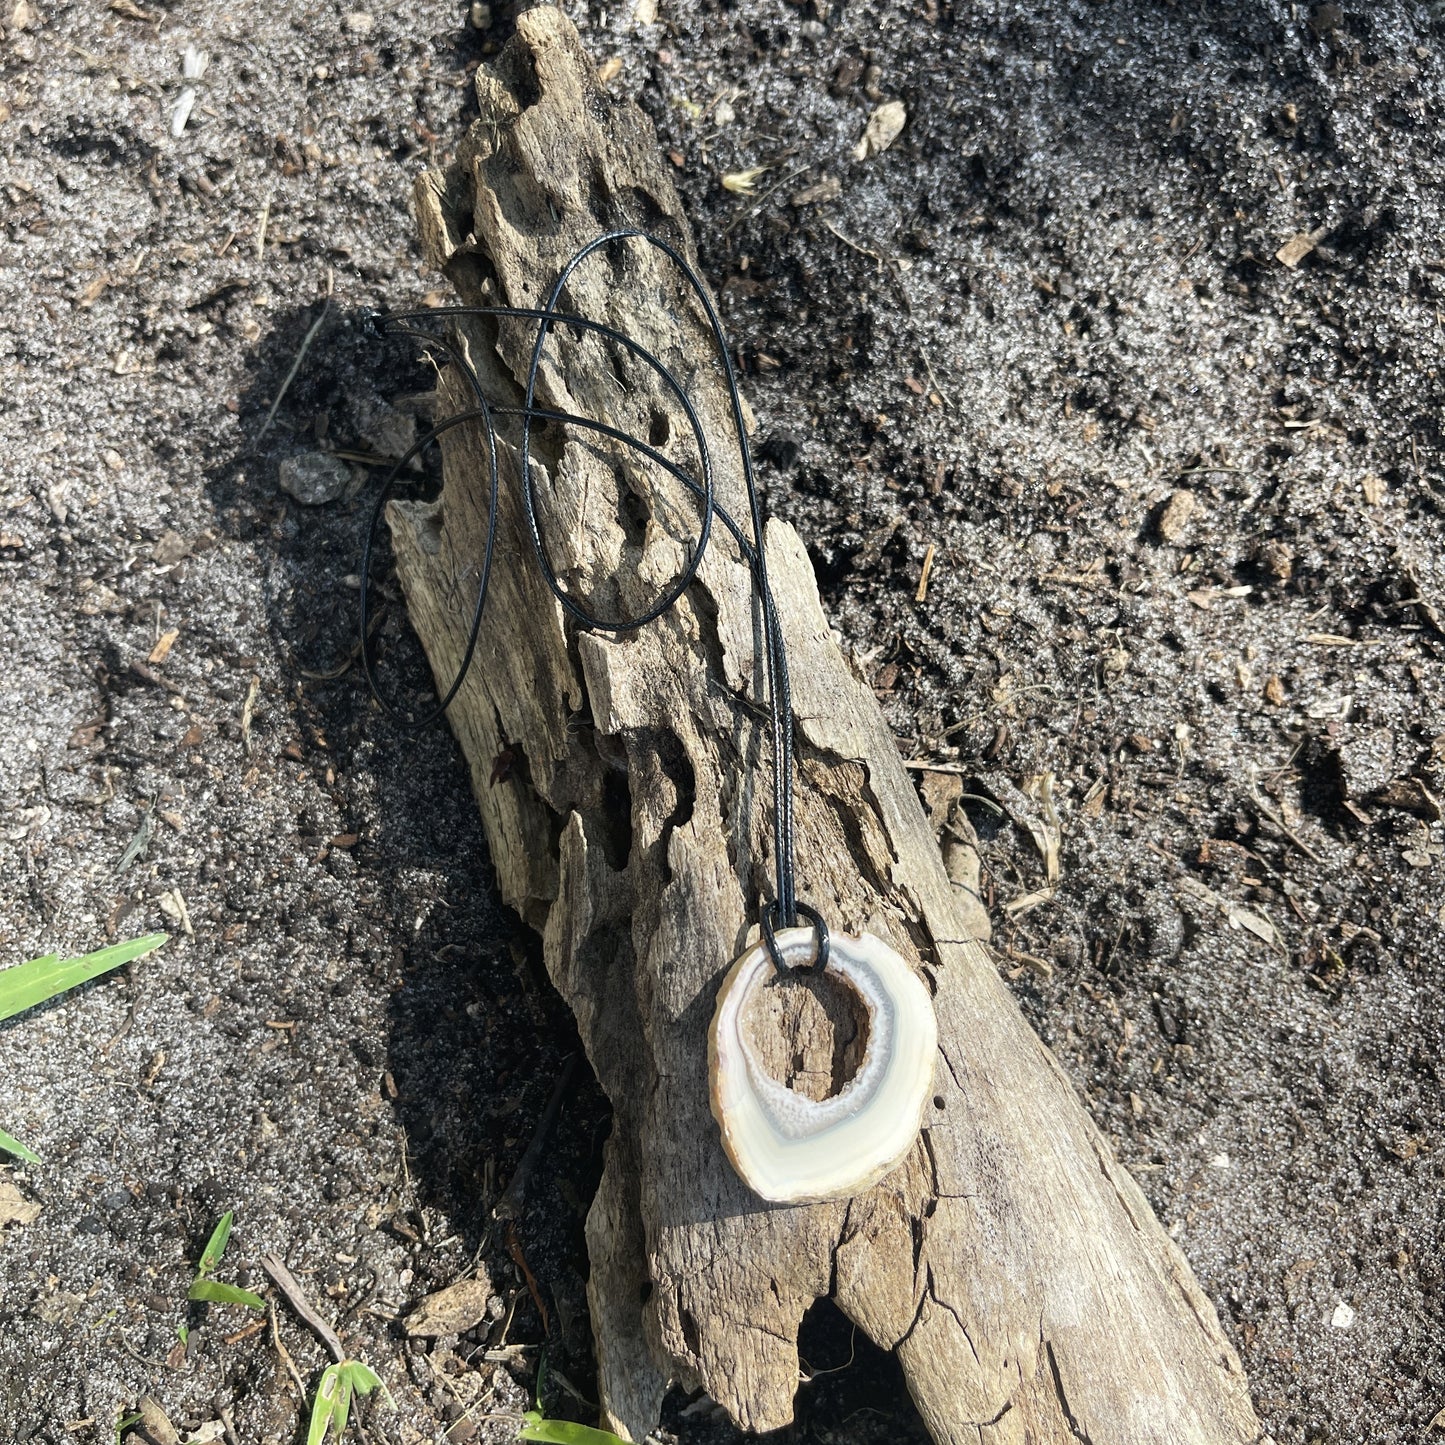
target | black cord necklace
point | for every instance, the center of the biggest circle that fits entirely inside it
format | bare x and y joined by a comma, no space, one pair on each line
767,1128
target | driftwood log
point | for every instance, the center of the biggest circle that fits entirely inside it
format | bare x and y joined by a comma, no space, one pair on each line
1010,1261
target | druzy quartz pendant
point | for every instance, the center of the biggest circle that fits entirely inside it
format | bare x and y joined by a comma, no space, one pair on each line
789,1148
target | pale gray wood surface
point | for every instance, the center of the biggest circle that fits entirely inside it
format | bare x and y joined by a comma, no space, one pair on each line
1011,1262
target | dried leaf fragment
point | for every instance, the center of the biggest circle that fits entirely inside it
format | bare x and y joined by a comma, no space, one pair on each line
156,1423
453,1310
14,1207
164,643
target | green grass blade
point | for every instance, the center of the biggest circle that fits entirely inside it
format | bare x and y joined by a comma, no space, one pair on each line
28,984
343,1401
15,1147
216,1245
324,1405
364,1380
215,1292
563,1432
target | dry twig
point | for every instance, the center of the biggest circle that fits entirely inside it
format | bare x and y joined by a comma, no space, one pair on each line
295,1296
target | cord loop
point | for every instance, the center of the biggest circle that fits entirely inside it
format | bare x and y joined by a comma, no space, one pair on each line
785,906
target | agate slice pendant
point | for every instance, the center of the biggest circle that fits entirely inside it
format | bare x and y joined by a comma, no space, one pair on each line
789,1148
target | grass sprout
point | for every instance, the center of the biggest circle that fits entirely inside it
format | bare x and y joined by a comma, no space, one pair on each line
536,1426
27,984
331,1408
203,1287
10,1145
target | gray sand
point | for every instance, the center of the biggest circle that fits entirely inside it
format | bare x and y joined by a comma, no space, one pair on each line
1021,336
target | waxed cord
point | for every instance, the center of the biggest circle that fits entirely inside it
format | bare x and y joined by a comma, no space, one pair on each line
784,910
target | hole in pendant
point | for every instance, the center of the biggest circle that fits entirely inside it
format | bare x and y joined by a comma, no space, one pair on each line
809,1033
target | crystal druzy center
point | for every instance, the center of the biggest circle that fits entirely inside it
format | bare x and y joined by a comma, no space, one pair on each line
788,1147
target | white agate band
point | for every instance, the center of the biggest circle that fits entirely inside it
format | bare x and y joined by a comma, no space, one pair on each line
789,1148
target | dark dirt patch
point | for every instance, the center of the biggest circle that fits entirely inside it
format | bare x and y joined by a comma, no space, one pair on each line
1072,246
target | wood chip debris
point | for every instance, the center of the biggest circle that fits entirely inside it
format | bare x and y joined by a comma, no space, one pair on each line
884,127
1299,246
922,594
1205,597
248,709
164,643
828,189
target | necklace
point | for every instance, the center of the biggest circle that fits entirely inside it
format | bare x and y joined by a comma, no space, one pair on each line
784,1146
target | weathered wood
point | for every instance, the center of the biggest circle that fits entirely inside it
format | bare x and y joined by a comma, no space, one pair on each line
1014,1266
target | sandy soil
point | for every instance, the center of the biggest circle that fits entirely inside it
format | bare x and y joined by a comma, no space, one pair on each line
1183,503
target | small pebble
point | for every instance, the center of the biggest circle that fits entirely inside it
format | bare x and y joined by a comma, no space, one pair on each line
1174,519
358,23
314,478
